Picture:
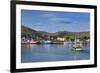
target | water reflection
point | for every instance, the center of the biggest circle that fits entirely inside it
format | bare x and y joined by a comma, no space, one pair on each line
53,52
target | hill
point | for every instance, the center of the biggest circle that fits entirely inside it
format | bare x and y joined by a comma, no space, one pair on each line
25,31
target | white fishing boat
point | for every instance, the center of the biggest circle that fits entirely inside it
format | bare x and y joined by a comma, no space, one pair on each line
77,45
46,42
30,42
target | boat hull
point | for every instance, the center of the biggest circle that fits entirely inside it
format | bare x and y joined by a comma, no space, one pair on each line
77,49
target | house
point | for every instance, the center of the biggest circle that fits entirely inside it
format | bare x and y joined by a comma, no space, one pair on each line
60,39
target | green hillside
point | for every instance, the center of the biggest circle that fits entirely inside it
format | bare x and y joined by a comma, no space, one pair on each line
51,36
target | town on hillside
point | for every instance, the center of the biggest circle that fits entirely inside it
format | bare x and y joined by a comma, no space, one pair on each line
31,36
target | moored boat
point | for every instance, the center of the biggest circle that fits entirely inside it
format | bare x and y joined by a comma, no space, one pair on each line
77,45
46,42
30,42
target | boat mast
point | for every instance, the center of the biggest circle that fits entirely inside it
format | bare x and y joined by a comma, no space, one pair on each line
75,41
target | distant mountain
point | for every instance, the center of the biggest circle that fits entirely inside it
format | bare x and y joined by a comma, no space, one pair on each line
67,33
27,30
43,34
82,34
62,33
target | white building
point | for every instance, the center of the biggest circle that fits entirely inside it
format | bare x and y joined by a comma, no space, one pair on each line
61,39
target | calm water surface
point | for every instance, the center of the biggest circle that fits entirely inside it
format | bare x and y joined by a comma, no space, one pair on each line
52,52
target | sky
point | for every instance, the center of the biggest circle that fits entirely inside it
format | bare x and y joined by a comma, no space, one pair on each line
52,21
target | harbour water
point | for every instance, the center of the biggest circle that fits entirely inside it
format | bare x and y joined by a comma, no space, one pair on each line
53,52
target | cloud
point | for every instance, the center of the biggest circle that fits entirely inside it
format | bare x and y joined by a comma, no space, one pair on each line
48,15
38,24
53,18
66,22
57,19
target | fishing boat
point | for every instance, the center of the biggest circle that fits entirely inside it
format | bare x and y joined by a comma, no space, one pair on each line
46,42
77,45
30,42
